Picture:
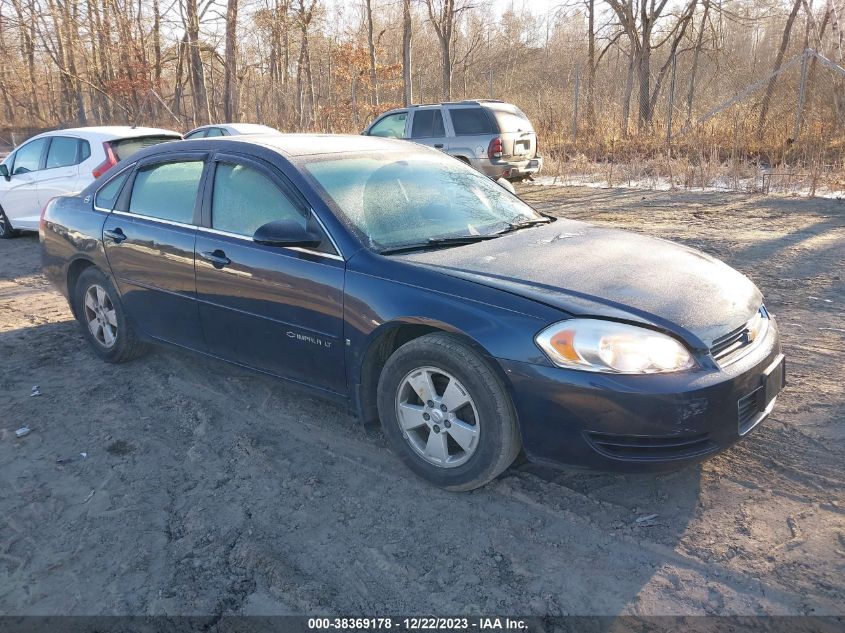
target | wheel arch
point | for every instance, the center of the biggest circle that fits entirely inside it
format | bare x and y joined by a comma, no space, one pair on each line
389,337
74,271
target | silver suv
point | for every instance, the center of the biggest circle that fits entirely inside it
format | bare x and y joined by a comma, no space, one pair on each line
494,137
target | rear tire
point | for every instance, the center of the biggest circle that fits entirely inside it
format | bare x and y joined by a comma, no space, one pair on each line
446,413
6,230
103,320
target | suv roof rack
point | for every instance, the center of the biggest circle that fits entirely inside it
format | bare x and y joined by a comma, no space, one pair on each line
442,103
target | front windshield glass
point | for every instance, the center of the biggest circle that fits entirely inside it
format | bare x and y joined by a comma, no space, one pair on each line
404,199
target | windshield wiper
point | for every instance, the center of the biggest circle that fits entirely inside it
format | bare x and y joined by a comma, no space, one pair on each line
435,242
515,226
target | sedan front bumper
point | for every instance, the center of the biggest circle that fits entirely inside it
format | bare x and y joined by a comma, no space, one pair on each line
642,422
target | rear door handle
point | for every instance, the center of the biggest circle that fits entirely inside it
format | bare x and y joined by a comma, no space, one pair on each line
116,235
217,258
438,146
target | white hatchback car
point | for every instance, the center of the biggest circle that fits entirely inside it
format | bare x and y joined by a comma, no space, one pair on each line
63,161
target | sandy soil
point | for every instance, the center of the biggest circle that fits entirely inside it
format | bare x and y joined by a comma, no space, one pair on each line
210,490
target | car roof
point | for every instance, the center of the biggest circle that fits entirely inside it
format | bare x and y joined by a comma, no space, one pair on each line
243,128
290,146
312,144
109,132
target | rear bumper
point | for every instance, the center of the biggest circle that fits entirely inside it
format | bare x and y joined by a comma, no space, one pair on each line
510,168
636,423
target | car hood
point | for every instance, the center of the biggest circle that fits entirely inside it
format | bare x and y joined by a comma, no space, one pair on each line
588,270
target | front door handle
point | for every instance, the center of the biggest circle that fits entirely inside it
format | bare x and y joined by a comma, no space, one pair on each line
438,146
217,258
116,235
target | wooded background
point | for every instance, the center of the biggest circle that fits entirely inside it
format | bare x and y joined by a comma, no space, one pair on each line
600,79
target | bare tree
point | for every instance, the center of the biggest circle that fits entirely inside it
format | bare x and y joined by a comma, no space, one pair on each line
368,6
230,87
639,18
696,56
591,59
304,81
442,15
407,83
202,109
770,88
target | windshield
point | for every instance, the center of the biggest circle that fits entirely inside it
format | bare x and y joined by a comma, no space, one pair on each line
406,198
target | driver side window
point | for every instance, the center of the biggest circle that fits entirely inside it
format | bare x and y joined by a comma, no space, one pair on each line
391,126
28,157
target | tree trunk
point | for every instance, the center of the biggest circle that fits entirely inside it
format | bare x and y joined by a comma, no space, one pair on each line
157,47
770,88
7,104
27,23
407,82
591,59
683,23
202,110
644,80
372,50
695,57
230,87
443,22
446,77
626,97
181,54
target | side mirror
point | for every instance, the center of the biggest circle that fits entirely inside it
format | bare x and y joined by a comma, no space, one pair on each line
4,171
286,233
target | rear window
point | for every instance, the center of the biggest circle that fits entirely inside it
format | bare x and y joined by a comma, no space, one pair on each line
62,152
511,120
125,147
167,191
470,121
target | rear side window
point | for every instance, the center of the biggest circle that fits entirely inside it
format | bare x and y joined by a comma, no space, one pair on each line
167,191
391,126
63,152
125,147
107,196
28,157
467,121
215,131
428,124
244,199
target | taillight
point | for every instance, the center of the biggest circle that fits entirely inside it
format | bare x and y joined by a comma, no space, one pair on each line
494,149
111,161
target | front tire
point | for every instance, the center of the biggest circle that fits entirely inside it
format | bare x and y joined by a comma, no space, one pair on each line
446,413
103,320
6,230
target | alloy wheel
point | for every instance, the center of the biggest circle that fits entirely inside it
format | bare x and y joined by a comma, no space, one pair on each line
3,225
101,316
437,417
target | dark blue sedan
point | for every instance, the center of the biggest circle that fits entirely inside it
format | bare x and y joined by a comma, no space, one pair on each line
401,282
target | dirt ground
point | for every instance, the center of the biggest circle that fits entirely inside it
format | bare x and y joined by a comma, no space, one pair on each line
210,490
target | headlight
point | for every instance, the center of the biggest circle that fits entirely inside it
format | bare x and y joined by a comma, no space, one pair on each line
606,346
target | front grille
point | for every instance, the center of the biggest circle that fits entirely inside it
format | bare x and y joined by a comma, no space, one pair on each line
739,342
651,447
728,344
